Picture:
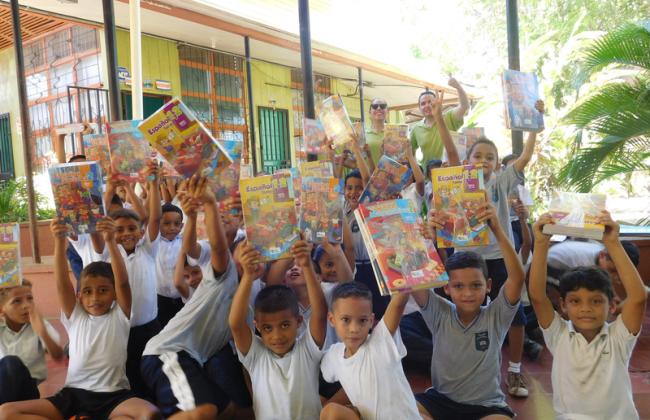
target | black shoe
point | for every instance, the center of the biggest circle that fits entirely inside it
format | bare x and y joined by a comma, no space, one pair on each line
532,349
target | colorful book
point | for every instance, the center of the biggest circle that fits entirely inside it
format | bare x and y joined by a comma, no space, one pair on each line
396,141
10,273
335,120
387,181
128,149
520,92
464,141
321,209
176,133
318,168
576,214
77,190
226,183
402,259
458,194
96,149
314,137
270,214
361,142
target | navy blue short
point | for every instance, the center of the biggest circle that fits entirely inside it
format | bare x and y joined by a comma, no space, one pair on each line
442,408
498,273
95,405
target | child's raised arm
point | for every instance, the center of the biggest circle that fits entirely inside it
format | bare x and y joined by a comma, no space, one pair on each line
341,264
64,288
107,228
200,189
348,245
179,277
537,282
38,325
361,162
445,136
301,251
529,147
241,332
395,309
515,281
417,172
190,207
153,199
634,305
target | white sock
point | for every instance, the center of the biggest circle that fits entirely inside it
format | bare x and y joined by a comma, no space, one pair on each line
514,367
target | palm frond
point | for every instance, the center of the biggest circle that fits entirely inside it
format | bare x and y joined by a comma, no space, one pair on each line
629,45
618,109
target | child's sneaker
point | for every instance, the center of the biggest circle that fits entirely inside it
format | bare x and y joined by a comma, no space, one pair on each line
516,385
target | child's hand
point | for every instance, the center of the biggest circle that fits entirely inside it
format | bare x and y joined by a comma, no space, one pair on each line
301,252
612,228
200,189
487,213
189,205
106,227
152,170
539,106
36,320
233,204
250,260
520,209
58,229
436,220
454,83
538,229
427,230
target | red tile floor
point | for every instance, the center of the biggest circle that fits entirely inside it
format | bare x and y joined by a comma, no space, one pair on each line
537,406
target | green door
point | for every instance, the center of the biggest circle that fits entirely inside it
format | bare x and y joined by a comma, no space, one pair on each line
150,104
6,149
274,138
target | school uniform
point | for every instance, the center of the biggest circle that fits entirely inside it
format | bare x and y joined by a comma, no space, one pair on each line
169,299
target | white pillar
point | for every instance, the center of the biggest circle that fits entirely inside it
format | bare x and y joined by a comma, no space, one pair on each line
136,59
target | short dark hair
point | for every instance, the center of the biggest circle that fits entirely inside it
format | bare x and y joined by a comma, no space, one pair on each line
316,256
4,291
125,213
275,299
76,158
353,174
590,278
170,208
466,259
632,252
116,200
351,289
98,269
508,158
426,92
483,140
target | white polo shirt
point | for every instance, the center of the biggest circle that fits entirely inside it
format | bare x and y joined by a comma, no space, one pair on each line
165,264
591,380
28,346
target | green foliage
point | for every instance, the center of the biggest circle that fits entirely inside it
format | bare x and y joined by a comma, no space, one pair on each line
13,203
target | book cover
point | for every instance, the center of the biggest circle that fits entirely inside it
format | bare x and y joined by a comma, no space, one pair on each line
387,181
77,191
270,215
396,141
405,261
335,120
318,168
520,92
321,209
10,273
226,183
457,194
96,149
464,140
176,133
314,137
128,150
576,214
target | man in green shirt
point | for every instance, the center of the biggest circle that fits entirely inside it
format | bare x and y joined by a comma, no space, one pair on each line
375,133
425,134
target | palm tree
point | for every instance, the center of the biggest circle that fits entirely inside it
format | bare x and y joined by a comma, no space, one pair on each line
616,114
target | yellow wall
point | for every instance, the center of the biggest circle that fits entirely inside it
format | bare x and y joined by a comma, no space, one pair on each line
159,62
9,103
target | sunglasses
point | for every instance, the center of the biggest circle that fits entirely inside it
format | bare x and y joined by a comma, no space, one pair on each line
377,106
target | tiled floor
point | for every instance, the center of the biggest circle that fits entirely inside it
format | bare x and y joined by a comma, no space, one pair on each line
537,406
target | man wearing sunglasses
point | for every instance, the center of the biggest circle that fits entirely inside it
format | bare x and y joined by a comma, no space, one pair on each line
425,134
375,133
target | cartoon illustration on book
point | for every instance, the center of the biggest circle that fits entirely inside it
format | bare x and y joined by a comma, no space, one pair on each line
269,214
387,181
335,120
176,133
128,149
396,141
321,209
10,273
96,149
226,183
458,195
77,190
520,92
314,138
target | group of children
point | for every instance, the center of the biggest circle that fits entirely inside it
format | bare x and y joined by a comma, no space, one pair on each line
164,325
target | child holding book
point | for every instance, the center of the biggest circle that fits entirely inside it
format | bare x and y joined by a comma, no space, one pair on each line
97,323
169,299
282,365
590,356
467,337
24,338
367,365
484,153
